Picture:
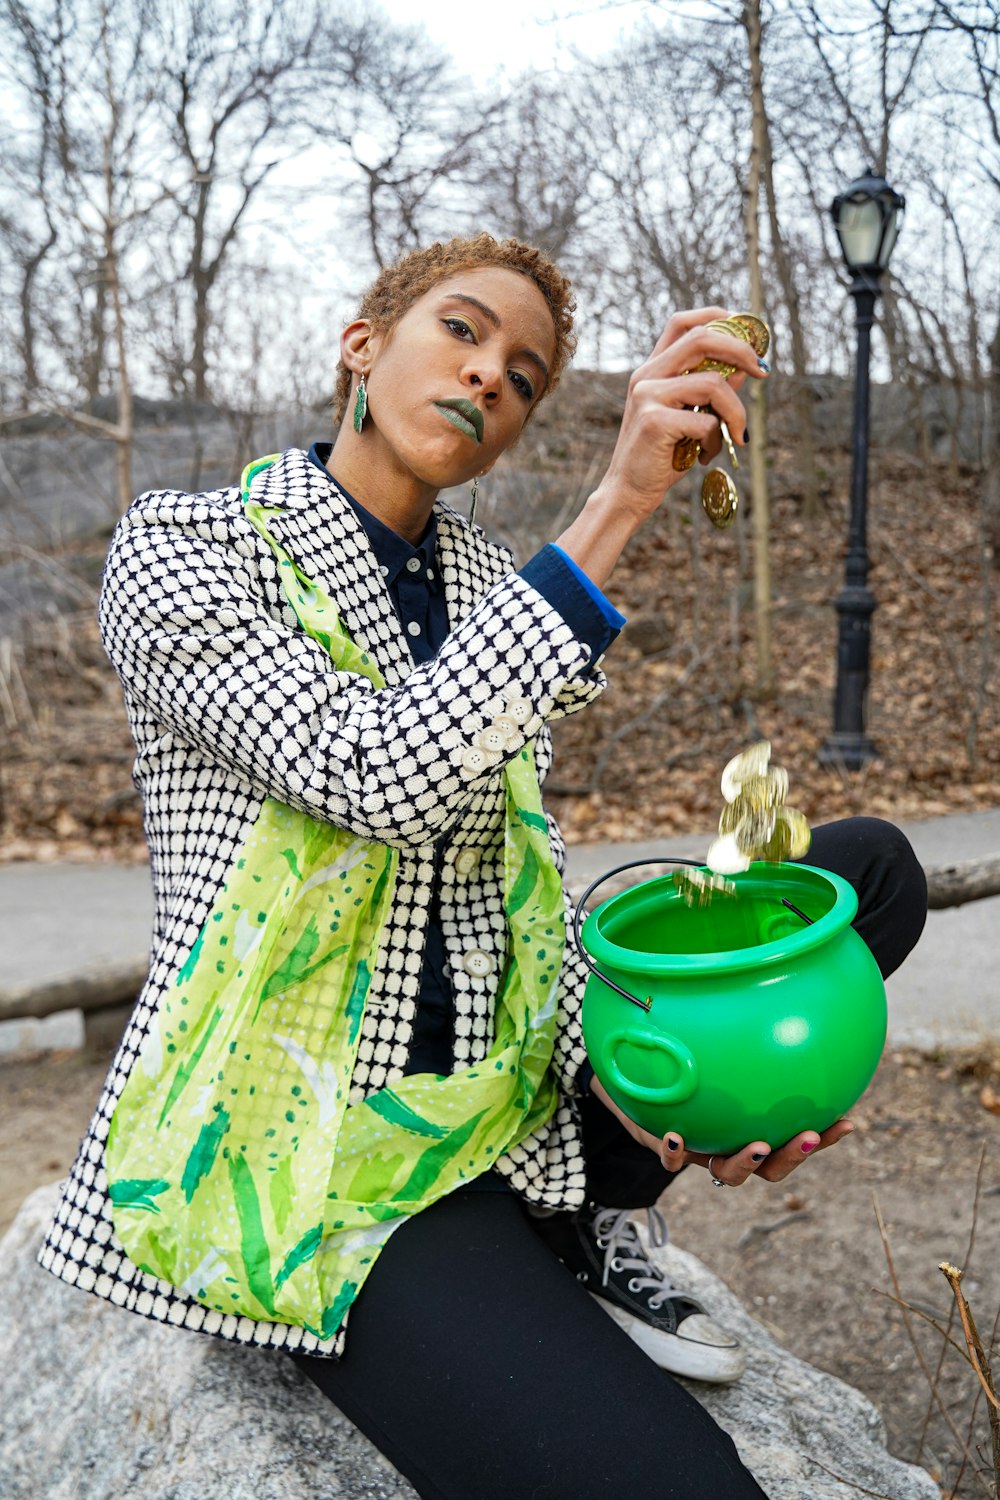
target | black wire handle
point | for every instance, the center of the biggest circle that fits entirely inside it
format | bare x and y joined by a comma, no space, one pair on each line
637,864
634,864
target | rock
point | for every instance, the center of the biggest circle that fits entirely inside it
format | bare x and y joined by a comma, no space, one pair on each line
98,1403
804,1434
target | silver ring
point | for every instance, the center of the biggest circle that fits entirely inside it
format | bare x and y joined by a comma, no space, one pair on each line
716,1182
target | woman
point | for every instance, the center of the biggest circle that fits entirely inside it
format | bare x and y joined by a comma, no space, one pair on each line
332,678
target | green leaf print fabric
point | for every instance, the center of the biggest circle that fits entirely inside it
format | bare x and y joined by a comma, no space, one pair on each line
238,1170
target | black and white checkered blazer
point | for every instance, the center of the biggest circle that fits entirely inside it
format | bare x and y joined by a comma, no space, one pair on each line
230,702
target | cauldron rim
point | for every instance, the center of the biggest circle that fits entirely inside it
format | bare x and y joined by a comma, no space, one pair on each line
604,951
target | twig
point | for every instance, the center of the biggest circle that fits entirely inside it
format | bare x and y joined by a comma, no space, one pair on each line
851,1483
914,1344
977,1353
937,1327
951,1311
758,1231
980,1361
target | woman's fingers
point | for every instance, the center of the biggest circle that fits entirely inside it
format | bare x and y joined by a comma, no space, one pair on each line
672,1153
686,353
704,389
681,323
806,1144
734,1170
755,1160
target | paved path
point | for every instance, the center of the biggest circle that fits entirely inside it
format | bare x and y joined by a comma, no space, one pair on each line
60,920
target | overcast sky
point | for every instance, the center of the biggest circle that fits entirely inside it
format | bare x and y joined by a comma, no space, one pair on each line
483,40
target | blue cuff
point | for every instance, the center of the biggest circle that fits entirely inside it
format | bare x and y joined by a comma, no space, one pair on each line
567,588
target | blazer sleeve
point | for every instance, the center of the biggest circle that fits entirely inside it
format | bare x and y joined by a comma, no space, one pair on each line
186,622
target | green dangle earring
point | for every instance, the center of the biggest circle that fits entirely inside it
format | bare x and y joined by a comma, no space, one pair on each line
360,404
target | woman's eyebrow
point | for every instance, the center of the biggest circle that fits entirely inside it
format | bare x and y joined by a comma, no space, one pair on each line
493,318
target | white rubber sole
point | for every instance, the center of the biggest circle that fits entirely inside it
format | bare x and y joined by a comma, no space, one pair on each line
705,1352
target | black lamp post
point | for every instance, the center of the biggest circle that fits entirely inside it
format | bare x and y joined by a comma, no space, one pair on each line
867,216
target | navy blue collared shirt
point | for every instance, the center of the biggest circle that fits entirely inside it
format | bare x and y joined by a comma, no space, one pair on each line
415,588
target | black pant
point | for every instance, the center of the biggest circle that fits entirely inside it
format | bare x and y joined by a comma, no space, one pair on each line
481,1368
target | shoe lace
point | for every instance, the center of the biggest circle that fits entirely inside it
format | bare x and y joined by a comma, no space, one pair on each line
623,1251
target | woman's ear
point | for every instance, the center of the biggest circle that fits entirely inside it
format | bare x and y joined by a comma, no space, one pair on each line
358,346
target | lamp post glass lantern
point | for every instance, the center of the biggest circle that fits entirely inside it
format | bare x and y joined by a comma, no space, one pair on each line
867,216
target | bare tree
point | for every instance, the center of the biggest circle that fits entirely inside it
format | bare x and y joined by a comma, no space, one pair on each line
537,176
664,155
761,518
236,81
94,193
409,130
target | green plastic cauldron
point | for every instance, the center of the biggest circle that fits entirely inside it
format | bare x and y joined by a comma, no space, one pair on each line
750,1018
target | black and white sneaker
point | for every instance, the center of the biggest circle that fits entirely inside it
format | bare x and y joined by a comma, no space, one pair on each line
602,1246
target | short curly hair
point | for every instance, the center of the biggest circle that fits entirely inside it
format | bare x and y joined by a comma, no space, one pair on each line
398,286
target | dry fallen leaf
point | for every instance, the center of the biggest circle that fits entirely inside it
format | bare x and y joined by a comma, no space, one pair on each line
990,1099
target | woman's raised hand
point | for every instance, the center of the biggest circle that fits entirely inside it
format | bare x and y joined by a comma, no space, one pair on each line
659,412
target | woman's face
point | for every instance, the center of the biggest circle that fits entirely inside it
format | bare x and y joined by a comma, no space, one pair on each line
452,383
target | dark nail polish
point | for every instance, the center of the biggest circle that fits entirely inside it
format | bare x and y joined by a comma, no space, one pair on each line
672,1143
809,1145
764,366
760,1155
746,434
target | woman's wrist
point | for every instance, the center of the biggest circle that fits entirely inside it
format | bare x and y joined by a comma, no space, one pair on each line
597,537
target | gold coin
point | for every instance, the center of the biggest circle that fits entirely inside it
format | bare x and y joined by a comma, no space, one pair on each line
719,497
729,326
699,887
731,816
686,451
719,365
755,830
750,762
724,857
799,832
754,330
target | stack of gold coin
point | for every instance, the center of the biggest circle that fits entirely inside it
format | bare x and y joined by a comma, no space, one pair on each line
755,823
719,495
699,887
740,326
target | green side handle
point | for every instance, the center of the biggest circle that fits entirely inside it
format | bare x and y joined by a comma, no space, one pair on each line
655,1041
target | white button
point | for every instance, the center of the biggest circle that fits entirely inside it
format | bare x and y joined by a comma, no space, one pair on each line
478,964
519,709
385,572
466,860
475,760
413,565
430,574
491,739
507,725
413,628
